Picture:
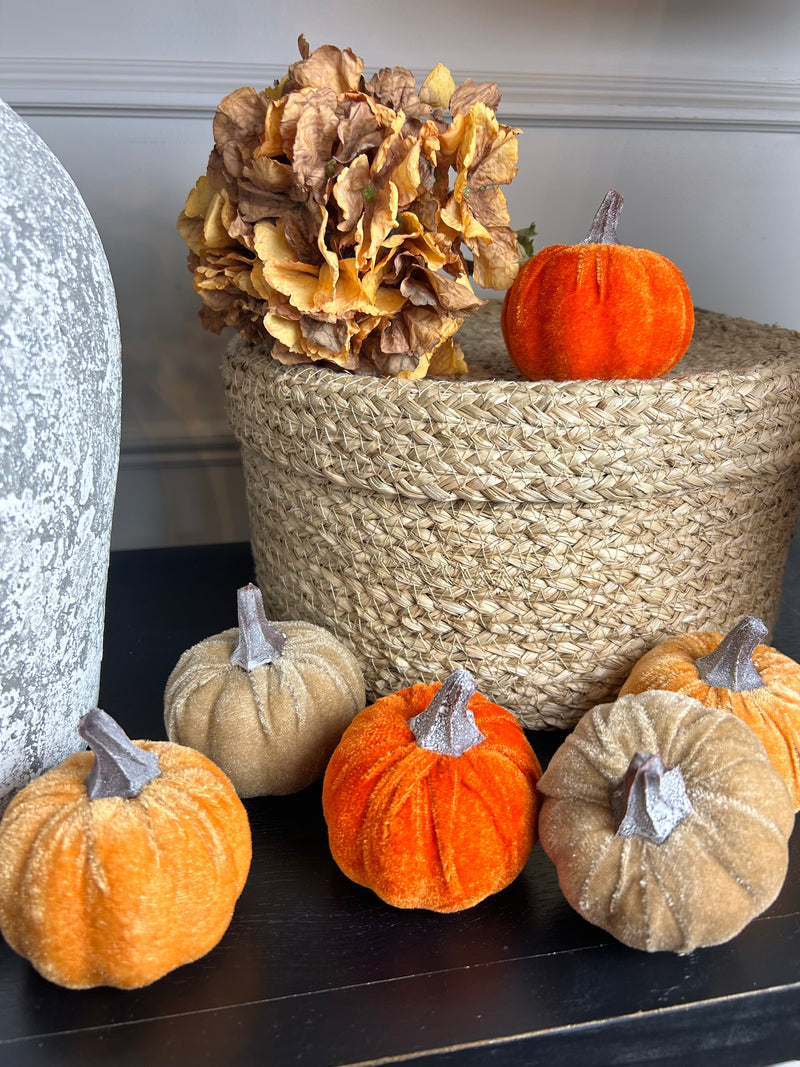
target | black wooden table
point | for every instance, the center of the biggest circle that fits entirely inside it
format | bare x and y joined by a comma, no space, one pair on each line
315,970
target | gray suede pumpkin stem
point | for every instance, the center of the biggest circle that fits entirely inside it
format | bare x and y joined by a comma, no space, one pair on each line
120,768
730,665
447,725
259,642
649,802
604,226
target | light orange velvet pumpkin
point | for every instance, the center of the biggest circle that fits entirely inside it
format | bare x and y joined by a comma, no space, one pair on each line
734,673
598,309
430,797
118,866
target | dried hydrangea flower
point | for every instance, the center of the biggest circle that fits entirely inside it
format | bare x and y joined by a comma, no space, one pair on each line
326,224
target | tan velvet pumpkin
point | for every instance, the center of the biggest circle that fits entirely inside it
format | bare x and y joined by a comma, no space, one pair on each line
266,702
120,864
666,822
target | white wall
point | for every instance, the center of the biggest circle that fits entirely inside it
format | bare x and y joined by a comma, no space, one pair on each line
691,108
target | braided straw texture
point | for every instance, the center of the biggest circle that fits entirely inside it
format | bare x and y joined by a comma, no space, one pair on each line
541,534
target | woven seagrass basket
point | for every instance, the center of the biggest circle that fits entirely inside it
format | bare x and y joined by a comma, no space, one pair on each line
541,534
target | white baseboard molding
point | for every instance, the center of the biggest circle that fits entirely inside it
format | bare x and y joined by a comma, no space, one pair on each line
187,89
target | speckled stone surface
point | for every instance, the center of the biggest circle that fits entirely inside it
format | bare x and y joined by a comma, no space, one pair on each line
60,379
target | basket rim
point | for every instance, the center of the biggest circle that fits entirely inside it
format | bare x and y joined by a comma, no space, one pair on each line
782,362
514,441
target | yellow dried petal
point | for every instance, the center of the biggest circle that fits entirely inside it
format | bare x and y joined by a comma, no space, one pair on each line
382,220
276,91
438,87
406,175
330,257
285,330
496,263
215,232
282,270
499,166
272,248
457,216
372,278
447,358
388,300
346,296
269,173
480,130
198,199
263,289
427,246
272,144
451,138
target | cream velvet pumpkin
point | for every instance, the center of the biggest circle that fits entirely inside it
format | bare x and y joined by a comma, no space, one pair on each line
267,702
666,822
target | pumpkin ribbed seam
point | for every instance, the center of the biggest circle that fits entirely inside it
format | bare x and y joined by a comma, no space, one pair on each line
710,844
378,810
453,885
193,682
280,678
507,840
679,919
183,807
586,902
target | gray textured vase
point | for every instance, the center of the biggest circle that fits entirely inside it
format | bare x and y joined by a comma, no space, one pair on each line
59,435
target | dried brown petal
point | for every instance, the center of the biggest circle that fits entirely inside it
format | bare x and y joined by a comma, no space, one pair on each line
326,224
256,203
301,226
238,127
468,94
358,131
295,106
488,205
348,192
312,150
275,177
332,336
327,67
395,87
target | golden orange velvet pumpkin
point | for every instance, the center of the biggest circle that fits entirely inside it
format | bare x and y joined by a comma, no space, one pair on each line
598,309
430,797
734,673
118,866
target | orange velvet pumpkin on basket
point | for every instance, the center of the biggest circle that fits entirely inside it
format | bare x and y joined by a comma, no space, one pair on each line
118,866
599,309
736,673
430,797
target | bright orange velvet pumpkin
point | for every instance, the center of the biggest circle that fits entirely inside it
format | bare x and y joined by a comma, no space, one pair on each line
430,797
598,309
735,673
117,867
